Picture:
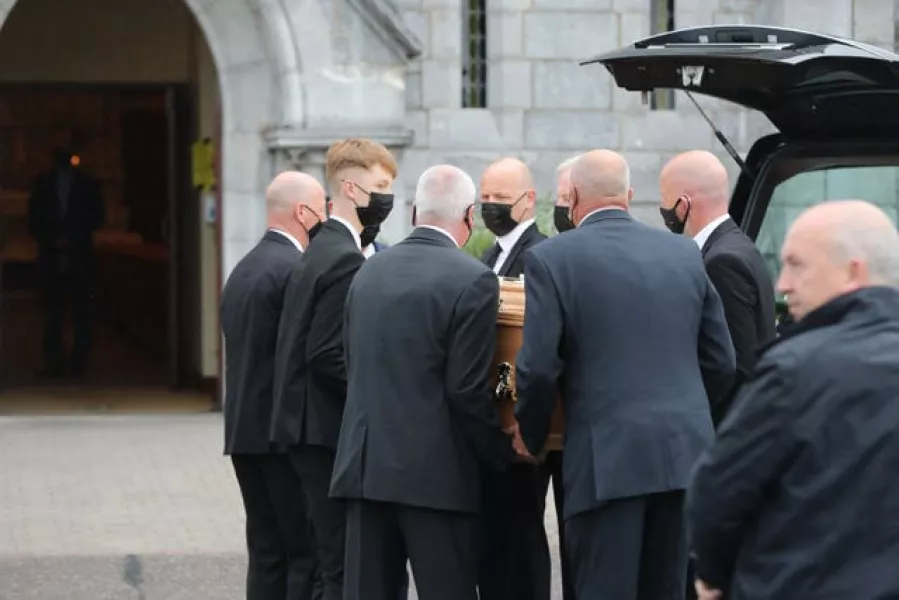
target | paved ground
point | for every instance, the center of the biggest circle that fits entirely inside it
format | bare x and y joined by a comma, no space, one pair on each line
121,507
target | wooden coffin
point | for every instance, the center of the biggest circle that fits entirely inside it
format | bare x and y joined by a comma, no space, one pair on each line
509,335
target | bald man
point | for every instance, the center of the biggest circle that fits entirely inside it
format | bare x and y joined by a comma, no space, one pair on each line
515,554
695,197
282,559
508,202
622,320
798,497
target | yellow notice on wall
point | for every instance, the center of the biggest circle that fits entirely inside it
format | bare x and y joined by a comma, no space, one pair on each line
203,162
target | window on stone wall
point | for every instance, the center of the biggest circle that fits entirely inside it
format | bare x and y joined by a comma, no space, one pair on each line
474,54
661,16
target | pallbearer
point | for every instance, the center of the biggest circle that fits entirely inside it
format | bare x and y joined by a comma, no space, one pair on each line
420,421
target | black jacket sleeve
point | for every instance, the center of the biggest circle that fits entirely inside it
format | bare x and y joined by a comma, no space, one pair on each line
472,342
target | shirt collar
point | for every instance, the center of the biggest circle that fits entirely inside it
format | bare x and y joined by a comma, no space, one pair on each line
350,228
290,238
599,210
443,231
369,250
703,236
508,241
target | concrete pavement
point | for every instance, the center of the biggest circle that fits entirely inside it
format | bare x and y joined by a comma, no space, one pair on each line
120,507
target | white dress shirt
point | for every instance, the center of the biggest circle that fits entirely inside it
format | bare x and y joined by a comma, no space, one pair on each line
369,250
508,241
290,238
703,236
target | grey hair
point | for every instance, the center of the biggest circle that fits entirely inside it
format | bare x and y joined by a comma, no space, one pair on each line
878,247
444,193
566,165
601,183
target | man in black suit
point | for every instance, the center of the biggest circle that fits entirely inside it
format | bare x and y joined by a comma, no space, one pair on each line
622,320
281,550
515,559
420,326
561,215
64,210
310,376
695,195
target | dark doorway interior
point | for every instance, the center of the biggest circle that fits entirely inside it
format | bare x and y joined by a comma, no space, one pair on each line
134,141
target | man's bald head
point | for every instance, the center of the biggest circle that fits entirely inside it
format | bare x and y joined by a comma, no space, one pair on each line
695,191
836,248
599,179
508,196
295,203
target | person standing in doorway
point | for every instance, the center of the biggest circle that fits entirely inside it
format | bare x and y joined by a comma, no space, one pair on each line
64,211
281,548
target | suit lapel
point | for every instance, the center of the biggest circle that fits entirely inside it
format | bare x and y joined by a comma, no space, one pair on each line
719,232
523,241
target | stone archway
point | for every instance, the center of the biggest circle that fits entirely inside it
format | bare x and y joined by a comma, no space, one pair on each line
253,60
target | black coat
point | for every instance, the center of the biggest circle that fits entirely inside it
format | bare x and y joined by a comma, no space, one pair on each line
420,419
513,266
622,318
250,310
310,376
737,269
799,496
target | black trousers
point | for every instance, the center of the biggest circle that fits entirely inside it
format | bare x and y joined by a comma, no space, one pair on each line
313,466
61,290
515,559
630,549
442,547
552,473
282,557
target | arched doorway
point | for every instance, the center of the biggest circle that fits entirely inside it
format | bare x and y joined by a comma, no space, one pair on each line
133,85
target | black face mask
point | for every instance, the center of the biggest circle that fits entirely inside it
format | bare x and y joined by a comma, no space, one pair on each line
669,215
562,219
378,209
498,217
369,233
312,231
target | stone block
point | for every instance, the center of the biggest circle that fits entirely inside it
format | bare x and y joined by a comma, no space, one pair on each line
664,130
731,18
504,35
692,6
251,97
632,6
509,5
417,121
745,6
420,23
244,44
585,5
467,128
565,84
694,18
448,4
408,4
446,39
569,35
511,125
243,216
509,84
633,26
247,159
413,88
441,84
570,130
874,22
625,101
833,17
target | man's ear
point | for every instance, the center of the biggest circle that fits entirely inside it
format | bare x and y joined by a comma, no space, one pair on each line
630,194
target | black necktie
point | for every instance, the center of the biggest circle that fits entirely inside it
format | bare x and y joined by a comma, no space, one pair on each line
494,255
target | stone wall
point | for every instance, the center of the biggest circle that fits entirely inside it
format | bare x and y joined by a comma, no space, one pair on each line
543,107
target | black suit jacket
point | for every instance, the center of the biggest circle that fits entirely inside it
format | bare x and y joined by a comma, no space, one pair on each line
421,330
624,320
737,269
310,377
251,307
514,263
84,214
